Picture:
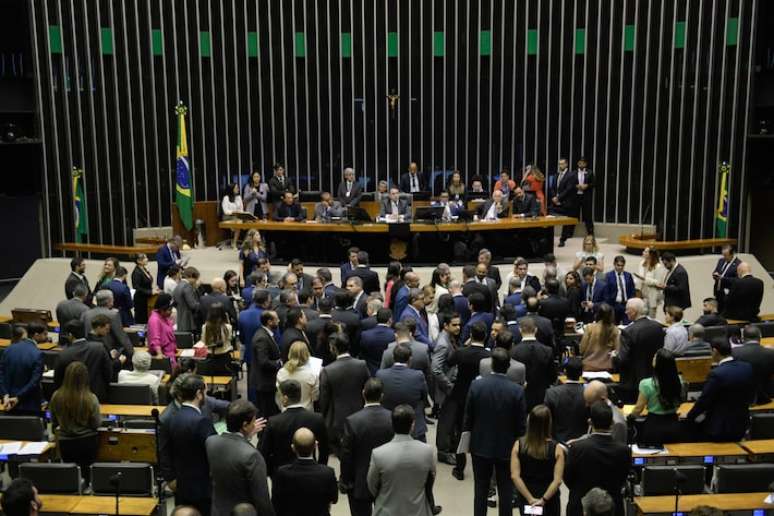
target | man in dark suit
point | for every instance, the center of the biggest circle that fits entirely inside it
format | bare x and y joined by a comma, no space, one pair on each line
596,460
709,314
744,294
639,342
468,361
116,340
725,269
72,309
524,204
304,487
373,342
122,296
188,433
186,298
538,359
93,353
760,358
280,184
492,271
619,288
565,199
394,207
21,368
593,294
677,291
344,314
477,314
566,403
545,328
304,281
412,181
237,469
524,278
415,312
584,191
345,267
354,286
554,307
327,208
403,384
295,324
249,321
275,443
483,279
167,256
266,355
315,326
217,297
349,192
460,301
400,298
723,409
495,416
364,430
370,278
77,277
420,352
340,384
289,210
494,208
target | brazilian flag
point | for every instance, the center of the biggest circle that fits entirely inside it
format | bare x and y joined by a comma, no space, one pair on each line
79,205
183,197
721,214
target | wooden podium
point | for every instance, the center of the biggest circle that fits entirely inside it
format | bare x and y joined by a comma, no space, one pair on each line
206,211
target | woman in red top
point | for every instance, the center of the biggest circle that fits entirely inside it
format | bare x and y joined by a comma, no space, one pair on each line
393,275
532,181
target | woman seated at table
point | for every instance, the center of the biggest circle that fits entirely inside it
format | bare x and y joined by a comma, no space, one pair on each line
216,333
75,418
600,339
661,394
298,368
456,187
161,329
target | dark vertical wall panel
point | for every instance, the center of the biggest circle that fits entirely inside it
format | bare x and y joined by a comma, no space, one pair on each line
650,90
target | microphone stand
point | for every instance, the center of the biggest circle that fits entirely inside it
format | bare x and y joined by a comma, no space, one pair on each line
159,476
115,481
680,479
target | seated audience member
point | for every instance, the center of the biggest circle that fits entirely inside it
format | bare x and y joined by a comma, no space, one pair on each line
477,185
141,361
304,486
216,332
289,210
539,361
566,403
494,208
349,192
456,186
21,498
676,337
597,391
745,293
21,369
524,204
299,368
161,329
598,503
710,316
600,340
382,191
327,208
697,346
505,184
393,207
412,181
661,395
760,358
75,418
537,464
93,353
597,460
451,209
722,411
72,309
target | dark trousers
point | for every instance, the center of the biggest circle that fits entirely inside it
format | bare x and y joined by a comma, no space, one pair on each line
450,429
568,211
587,212
82,451
266,403
619,309
482,474
360,507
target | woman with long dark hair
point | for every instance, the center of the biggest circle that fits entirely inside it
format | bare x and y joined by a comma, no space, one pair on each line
253,249
216,332
456,186
144,288
254,196
231,204
574,293
537,464
661,394
393,275
600,339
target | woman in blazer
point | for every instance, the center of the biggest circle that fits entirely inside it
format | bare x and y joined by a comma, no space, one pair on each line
142,282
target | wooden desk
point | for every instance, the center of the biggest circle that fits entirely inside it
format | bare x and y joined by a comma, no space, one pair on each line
768,342
127,506
724,502
614,378
759,446
683,450
687,406
694,369
8,319
43,346
127,445
211,380
235,354
129,410
63,504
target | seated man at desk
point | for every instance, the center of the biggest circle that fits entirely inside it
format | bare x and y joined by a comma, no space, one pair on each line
289,210
495,208
450,208
349,192
327,208
524,204
394,207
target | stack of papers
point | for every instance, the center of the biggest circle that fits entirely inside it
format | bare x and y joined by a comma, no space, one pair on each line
19,448
10,448
187,352
598,375
647,451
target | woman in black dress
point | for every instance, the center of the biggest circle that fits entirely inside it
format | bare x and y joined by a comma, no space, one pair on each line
537,464
142,282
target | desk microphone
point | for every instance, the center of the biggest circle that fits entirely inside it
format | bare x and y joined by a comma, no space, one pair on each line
115,482
680,480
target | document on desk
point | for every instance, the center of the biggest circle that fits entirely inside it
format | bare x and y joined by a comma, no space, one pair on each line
597,375
187,352
11,448
33,448
769,499
464,446
647,451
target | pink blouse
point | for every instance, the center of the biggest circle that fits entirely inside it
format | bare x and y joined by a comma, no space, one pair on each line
161,336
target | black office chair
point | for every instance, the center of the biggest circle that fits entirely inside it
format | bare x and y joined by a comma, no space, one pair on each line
184,339
22,428
136,478
767,329
48,387
50,358
130,394
713,332
139,424
660,480
743,478
5,331
311,195
53,477
217,365
762,426
161,364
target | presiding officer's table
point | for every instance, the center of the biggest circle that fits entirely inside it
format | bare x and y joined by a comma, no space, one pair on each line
425,242
725,502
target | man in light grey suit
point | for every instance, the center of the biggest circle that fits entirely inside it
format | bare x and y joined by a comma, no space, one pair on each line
72,309
117,341
403,385
187,301
237,469
420,354
327,208
402,472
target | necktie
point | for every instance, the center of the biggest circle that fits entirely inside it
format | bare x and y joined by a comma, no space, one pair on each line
394,208
621,292
349,188
282,180
588,291
414,186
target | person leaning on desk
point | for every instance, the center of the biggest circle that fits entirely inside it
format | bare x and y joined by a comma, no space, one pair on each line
289,210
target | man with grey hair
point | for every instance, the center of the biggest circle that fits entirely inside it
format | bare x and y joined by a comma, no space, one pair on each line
414,311
217,296
597,503
485,257
117,341
72,309
639,342
349,192
141,361
697,346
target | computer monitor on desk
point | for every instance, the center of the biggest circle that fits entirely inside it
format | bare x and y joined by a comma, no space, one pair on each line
357,214
429,213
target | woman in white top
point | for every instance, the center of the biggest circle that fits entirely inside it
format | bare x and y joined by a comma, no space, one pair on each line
428,292
650,274
254,196
231,204
589,249
299,369
441,278
172,279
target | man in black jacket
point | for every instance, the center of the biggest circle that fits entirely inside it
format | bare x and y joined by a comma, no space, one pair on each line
639,342
275,444
370,278
364,430
565,202
92,352
596,460
77,277
745,293
295,324
265,363
217,296
304,487
279,184
761,359
289,210
677,291
566,403
524,204
344,314
538,359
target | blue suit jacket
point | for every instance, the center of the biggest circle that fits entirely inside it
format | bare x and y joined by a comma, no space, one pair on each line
122,301
422,333
345,268
188,431
247,293
400,303
405,385
373,342
486,317
164,260
496,415
461,307
597,295
249,322
515,301
611,287
21,368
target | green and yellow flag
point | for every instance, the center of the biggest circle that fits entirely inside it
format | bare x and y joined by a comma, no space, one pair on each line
183,197
721,214
79,205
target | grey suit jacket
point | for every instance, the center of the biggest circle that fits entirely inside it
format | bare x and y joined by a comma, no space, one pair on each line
187,304
336,210
69,310
117,338
397,475
385,207
517,372
443,373
238,474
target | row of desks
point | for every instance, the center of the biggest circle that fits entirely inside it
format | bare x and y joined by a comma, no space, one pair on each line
686,407
686,503
77,504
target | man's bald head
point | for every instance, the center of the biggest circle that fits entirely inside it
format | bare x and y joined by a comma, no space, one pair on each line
743,269
635,308
412,279
594,391
218,285
304,442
